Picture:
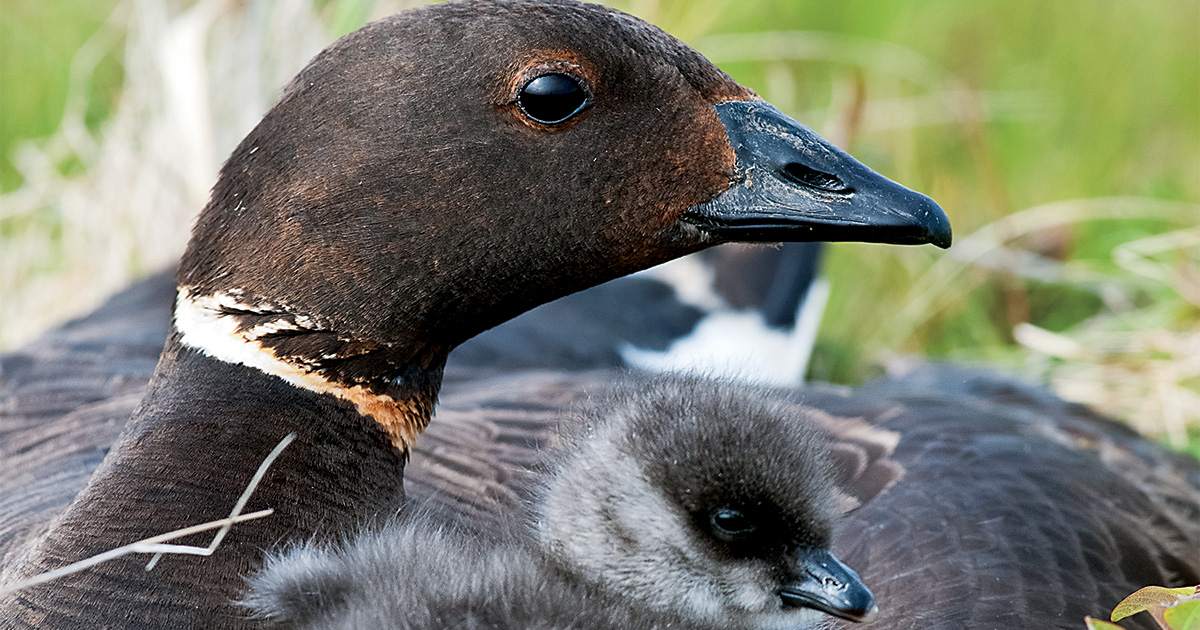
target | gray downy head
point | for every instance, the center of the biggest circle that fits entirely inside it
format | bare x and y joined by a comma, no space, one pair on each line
707,499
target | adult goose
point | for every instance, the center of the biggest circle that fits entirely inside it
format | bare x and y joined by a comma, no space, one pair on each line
674,502
421,180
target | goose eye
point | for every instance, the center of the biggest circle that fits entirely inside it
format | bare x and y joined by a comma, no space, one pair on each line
552,98
730,524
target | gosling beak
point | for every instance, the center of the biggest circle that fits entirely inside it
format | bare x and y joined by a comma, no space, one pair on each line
794,185
828,585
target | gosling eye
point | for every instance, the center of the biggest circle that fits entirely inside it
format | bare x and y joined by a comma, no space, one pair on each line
730,525
552,98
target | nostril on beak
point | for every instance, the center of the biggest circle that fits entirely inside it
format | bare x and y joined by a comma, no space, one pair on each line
812,178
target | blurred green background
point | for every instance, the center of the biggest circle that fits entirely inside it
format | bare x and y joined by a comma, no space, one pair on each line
1063,138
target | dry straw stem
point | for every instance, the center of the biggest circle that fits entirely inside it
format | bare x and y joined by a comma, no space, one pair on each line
158,546
990,247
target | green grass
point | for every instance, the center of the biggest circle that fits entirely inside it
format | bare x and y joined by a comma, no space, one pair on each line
38,43
992,107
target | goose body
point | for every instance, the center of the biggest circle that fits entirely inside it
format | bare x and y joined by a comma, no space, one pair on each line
421,180
978,501
676,502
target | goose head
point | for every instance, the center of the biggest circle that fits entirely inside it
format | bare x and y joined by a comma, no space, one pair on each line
441,171
704,499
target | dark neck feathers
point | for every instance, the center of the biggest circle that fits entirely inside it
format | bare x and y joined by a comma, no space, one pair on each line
206,420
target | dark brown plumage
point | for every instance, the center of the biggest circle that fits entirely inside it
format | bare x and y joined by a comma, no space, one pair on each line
1053,511
981,502
398,200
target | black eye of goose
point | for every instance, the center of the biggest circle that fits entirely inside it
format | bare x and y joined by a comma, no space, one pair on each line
552,98
730,524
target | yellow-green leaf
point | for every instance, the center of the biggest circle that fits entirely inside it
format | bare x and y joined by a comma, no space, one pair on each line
1151,598
1185,616
1097,624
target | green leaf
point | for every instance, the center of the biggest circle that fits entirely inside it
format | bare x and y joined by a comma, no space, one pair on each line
1151,598
1097,624
1185,616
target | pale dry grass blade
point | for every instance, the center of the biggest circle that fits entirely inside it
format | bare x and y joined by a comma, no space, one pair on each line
1181,270
148,545
943,283
158,546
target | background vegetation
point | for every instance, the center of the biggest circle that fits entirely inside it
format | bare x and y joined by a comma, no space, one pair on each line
1063,138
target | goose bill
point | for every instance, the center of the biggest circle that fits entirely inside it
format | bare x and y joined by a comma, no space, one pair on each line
828,585
794,185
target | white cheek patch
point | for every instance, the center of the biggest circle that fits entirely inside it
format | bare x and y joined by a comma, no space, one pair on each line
610,522
205,325
603,515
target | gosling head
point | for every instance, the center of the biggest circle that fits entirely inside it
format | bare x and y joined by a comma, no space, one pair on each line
705,499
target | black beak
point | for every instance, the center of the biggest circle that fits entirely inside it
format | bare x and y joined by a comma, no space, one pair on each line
796,186
828,585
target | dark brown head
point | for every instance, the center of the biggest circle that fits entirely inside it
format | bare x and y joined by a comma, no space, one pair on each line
443,170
